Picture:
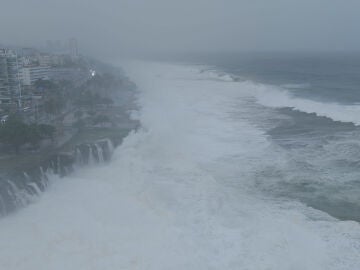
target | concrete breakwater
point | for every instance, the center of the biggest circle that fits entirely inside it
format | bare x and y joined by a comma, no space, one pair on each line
20,188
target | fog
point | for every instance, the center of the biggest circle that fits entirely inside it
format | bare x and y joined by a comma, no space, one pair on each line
112,27
244,156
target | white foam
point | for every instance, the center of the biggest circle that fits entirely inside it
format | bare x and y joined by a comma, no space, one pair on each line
279,98
296,85
176,195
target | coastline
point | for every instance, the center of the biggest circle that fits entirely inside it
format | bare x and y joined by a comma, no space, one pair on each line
25,176
182,186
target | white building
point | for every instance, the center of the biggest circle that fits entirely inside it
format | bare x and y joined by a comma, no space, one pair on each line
29,75
9,73
44,60
50,60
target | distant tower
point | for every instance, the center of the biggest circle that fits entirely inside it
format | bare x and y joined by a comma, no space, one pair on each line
9,73
73,48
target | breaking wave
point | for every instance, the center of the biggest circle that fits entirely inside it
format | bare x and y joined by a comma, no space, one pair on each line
280,97
178,194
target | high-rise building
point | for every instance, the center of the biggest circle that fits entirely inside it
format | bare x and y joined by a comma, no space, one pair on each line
29,75
73,48
45,60
9,73
4,85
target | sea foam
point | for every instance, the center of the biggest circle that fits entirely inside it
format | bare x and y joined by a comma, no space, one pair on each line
177,195
279,98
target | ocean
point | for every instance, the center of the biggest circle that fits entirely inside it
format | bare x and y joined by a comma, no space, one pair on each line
314,119
241,162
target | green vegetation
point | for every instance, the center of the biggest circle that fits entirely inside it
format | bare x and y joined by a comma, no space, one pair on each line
54,106
97,91
82,111
79,124
45,84
15,133
56,95
101,119
78,114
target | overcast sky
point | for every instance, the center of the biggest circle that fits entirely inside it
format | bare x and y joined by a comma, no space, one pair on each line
111,27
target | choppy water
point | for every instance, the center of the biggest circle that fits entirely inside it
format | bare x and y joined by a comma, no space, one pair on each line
315,118
218,177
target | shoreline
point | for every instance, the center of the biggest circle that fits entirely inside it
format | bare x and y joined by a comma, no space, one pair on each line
25,175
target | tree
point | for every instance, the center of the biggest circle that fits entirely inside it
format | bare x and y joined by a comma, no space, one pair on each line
107,101
33,134
45,84
46,131
14,132
78,114
80,124
53,106
101,119
91,113
87,99
65,84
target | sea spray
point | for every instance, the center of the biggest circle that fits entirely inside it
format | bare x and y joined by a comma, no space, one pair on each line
179,194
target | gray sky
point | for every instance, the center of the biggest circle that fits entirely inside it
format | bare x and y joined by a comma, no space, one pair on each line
112,27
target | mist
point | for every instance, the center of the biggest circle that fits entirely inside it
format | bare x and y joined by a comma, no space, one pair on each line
113,28
188,134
